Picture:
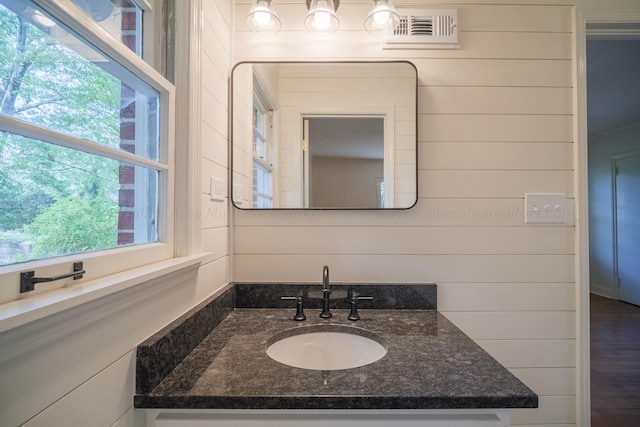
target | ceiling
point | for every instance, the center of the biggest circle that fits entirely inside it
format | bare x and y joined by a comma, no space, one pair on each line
613,84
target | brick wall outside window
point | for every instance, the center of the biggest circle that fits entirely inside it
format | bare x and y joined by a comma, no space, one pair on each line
126,217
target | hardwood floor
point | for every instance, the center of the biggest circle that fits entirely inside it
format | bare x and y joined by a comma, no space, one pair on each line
615,363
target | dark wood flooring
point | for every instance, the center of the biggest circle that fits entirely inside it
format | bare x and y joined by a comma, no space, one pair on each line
615,363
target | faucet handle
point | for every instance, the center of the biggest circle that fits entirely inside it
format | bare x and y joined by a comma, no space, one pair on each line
353,300
299,307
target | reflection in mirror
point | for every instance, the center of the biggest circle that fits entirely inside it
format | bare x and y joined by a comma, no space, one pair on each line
338,135
347,153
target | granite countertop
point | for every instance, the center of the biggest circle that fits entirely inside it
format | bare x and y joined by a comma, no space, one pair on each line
430,364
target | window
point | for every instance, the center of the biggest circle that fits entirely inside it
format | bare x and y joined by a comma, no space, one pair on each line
262,156
85,146
122,19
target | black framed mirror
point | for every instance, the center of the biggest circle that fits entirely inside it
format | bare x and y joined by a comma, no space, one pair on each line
324,135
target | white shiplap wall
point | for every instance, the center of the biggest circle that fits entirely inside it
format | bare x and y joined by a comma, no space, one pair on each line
215,60
494,122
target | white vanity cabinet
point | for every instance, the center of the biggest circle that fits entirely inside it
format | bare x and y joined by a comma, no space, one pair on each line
330,418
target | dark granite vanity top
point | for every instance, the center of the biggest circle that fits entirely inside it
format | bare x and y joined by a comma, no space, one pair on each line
430,364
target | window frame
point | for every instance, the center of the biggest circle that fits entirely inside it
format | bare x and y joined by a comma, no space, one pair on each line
119,259
264,163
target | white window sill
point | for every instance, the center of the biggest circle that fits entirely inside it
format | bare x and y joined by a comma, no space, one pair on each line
21,312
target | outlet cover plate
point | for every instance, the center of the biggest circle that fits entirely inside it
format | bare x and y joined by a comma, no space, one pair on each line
238,194
217,190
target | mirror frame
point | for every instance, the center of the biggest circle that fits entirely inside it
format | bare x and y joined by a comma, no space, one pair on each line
231,135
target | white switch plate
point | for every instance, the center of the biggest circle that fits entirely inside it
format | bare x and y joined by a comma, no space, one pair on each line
217,189
545,208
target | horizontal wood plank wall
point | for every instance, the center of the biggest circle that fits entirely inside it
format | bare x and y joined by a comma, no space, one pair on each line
215,62
494,122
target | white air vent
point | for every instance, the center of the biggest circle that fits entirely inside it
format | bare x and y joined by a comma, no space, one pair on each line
424,28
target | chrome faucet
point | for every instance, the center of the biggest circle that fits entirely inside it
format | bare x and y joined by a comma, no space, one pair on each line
325,294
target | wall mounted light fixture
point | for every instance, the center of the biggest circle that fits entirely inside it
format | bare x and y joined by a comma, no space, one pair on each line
321,17
381,17
43,19
262,19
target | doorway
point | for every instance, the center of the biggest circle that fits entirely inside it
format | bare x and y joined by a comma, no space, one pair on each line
613,124
344,162
626,205
615,27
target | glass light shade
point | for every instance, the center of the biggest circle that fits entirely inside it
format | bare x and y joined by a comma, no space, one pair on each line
381,18
322,17
42,19
262,19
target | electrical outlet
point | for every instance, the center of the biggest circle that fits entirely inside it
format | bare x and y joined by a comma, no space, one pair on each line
545,208
216,189
237,194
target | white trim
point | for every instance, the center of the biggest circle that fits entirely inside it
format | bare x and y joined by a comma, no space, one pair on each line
143,4
275,146
613,34
21,312
496,417
231,235
67,12
582,18
188,57
389,175
615,292
262,89
384,111
301,151
32,131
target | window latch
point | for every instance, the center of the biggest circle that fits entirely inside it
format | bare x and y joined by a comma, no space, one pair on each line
28,281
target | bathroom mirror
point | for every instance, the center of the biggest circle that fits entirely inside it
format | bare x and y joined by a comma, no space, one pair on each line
324,135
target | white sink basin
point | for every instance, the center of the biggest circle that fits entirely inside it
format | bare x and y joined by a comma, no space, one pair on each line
326,348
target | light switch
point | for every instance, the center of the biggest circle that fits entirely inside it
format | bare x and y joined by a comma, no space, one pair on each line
545,208
217,189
